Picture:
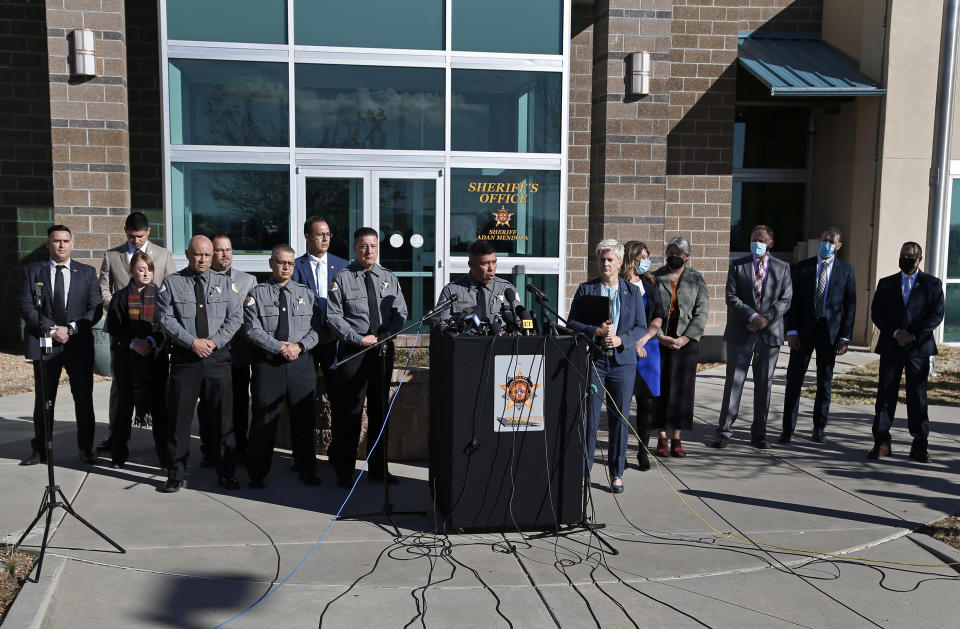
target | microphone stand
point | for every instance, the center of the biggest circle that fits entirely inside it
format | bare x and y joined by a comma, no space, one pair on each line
387,509
52,491
584,524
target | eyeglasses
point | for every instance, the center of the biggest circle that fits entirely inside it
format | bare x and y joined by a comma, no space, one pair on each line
320,236
284,263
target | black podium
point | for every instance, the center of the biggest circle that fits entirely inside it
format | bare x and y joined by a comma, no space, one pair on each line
505,430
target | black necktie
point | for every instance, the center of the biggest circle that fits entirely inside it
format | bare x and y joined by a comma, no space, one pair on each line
202,328
59,298
283,324
373,304
481,301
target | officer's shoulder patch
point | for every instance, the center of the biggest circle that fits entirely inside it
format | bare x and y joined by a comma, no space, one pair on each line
163,287
333,287
250,301
234,288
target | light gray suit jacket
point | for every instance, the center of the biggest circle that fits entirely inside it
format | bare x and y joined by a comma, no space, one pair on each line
115,268
741,305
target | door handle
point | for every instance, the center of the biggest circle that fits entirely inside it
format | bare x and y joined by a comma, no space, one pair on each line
439,263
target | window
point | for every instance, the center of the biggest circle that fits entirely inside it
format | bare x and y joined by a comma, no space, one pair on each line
778,205
414,24
369,107
236,103
518,211
506,111
951,320
251,202
528,26
766,137
248,21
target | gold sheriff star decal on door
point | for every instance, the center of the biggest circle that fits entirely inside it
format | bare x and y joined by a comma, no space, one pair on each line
502,217
520,391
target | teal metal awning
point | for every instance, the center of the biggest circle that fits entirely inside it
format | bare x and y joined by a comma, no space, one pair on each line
798,64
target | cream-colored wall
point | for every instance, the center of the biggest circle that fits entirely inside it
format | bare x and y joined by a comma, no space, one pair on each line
845,165
914,45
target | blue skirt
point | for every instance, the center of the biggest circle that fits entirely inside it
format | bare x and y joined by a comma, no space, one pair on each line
649,368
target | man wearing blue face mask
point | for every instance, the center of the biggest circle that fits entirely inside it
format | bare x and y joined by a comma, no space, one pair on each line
758,295
820,319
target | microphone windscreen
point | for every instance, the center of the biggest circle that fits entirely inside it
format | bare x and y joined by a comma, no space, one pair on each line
510,294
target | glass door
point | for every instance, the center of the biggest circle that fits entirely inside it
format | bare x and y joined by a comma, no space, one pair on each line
406,209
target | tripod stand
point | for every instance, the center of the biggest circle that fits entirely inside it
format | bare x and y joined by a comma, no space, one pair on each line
381,347
52,491
584,524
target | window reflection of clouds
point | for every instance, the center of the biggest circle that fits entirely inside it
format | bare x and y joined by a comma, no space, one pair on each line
338,108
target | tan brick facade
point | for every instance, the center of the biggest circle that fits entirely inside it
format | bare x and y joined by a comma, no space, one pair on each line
89,126
661,165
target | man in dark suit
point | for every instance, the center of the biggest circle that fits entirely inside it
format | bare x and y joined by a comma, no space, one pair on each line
316,269
907,307
70,305
758,295
820,318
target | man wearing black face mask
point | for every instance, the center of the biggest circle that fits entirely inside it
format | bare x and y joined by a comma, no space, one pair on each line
907,307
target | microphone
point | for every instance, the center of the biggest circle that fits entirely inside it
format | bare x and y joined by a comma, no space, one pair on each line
38,289
495,323
526,321
469,322
506,311
610,306
537,293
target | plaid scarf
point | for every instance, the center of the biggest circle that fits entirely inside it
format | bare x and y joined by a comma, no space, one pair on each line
141,307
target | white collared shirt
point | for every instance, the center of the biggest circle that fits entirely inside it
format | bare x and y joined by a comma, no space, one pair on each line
66,279
130,250
318,266
820,264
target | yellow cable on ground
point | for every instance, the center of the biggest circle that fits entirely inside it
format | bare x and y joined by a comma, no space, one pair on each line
733,535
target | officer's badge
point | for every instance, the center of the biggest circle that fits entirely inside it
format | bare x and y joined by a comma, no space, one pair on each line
250,301
234,288
218,290
383,285
500,298
300,300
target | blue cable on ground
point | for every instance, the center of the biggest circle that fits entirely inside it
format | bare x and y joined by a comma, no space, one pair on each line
363,469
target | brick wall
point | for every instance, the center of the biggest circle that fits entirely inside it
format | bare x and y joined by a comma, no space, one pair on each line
661,165
578,182
26,182
702,91
89,131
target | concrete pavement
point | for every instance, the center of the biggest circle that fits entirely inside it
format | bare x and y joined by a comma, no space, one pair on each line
200,557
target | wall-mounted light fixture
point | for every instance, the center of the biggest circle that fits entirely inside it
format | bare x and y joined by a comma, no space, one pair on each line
84,56
640,73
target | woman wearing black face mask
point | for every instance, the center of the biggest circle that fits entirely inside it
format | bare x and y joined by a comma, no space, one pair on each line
685,290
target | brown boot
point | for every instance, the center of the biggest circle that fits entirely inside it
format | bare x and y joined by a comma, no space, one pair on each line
676,448
662,448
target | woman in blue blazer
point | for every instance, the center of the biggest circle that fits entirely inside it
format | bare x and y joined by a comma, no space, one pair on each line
617,368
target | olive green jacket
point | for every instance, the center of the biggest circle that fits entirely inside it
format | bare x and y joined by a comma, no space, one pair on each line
693,300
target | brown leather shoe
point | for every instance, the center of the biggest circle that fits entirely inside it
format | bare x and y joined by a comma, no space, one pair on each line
878,452
676,448
662,448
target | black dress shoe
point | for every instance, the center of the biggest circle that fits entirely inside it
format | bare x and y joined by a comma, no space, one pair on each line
33,459
256,483
172,486
309,478
104,446
643,461
228,482
817,436
785,437
344,479
378,478
762,444
87,456
721,442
